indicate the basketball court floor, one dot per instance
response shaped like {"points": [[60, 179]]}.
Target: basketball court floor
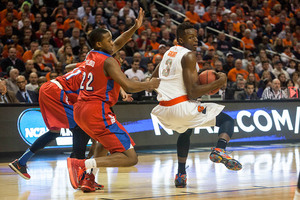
{"points": [[269, 172]]}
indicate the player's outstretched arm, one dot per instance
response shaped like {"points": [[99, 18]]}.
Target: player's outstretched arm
{"points": [[123, 38], [112, 69], [190, 78]]}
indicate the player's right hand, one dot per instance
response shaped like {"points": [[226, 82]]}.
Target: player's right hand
{"points": [[153, 83], [222, 77]]}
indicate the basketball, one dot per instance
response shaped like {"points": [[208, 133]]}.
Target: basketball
{"points": [[207, 77]]}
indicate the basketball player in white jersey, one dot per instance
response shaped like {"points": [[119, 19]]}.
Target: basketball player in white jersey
{"points": [[178, 110]]}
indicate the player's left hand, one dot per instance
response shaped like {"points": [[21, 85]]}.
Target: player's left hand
{"points": [[139, 20], [127, 97]]}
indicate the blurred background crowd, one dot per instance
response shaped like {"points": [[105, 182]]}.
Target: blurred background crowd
{"points": [[255, 42]]}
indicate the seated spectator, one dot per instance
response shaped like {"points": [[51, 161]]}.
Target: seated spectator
{"points": [[32, 85], [7, 96], [192, 16], [29, 67], [248, 93], [29, 53], [274, 92], [10, 43], [291, 67], [39, 64], [278, 69], [296, 79], [12, 61], [59, 38], [49, 58], [134, 71], [286, 55], [237, 70], [150, 69], [229, 62], [146, 94], [148, 52], [264, 66], [143, 41], [283, 81], [67, 57], [232, 92], [153, 42], [41, 81], [24, 95], [249, 44], [161, 51], [130, 48], [223, 45], [295, 91]]}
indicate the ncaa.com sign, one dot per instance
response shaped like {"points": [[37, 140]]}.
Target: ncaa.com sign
{"points": [[250, 121], [31, 126]]}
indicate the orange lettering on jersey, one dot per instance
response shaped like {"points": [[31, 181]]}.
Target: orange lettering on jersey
{"points": [[200, 108], [172, 54]]}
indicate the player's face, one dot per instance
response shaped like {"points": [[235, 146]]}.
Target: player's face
{"points": [[107, 43], [190, 39]]}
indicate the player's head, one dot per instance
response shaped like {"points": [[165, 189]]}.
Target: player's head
{"points": [[187, 36], [101, 39]]}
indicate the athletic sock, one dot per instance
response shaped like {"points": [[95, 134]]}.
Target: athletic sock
{"points": [[25, 157], [222, 143], [181, 168], [95, 171], [90, 163]]}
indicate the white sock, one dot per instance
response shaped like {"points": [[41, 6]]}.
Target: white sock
{"points": [[297, 195], [90, 163], [95, 171]]}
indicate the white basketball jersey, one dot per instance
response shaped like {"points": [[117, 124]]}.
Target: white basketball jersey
{"points": [[170, 73]]}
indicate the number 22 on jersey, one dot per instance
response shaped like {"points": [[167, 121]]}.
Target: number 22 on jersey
{"points": [[87, 86]]}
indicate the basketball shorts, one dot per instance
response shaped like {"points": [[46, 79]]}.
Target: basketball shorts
{"points": [[99, 122], [187, 114], [55, 108]]}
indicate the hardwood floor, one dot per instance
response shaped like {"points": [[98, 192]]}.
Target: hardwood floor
{"points": [[269, 172]]}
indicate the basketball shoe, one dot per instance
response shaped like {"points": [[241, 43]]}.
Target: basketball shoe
{"points": [[219, 155], [96, 185], [180, 180], [76, 170], [20, 169], [88, 183]]}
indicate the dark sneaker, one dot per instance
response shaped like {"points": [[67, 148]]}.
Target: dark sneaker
{"points": [[76, 170], [180, 180], [88, 183], [20, 169], [219, 155]]}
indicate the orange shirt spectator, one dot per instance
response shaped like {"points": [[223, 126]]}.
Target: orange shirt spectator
{"points": [[272, 3], [234, 8], [249, 44], [5, 23], [155, 29], [287, 42], [154, 45], [206, 17], [3, 14], [31, 16], [67, 24], [27, 56], [266, 11], [233, 72], [193, 17], [18, 47]]}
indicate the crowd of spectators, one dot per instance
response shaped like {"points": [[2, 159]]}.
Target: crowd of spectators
{"points": [[39, 38]]}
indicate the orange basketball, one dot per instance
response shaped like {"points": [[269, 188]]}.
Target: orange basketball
{"points": [[207, 77]]}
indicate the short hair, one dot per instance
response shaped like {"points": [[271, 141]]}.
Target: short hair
{"points": [[249, 83], [96, 36], [181, 29]]}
